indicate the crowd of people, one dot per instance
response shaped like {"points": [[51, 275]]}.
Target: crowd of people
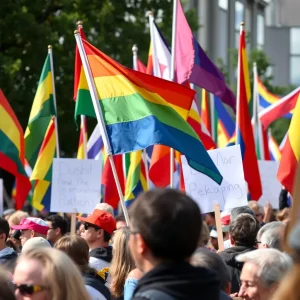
{"points": [[169, 251]]}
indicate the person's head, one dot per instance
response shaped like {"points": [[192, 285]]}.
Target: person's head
{"points": [[15, 219], [106, 207], [35, 243], [257, 209], [235, 212], [210, 219], [262, 271], [121, 222], [8, 212], [271, 235], [208, 259], [243, 230], [6, 288], [4, 232], [76, 248], [58, 227], [122, 263], [214, 238], [165, 227], [99, 226], [32, 227], [204, 235], [48, 274]]}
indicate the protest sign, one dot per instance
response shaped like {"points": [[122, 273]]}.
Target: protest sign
{"points": [[75, 185], [231, 193], [271, 186]]}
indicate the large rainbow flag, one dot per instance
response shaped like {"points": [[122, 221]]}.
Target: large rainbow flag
{"points": [[12, 152], [141, 110]]}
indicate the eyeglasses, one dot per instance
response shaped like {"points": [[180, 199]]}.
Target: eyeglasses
{"points": [[27, 289], [87, 225]]}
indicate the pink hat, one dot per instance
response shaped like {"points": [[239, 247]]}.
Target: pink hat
{"points": [[36, 224]]}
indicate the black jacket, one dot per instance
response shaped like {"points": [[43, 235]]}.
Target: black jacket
{"points": [[178, 281], [104, 253], [95, 281], [234, 267]]}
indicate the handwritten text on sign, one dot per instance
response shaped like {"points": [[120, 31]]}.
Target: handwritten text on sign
{"points": [[231, 193], [75, 185]]}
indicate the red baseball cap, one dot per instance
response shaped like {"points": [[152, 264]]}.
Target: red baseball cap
{"points": [[36, 224], [102, 219]]}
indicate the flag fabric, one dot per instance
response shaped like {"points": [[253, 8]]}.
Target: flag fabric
{"points": [[141, 67], [141, 110], [95, 145], [226, 125], [83, 133], [205, 111], [41, 176], [193, 65], [282, 108], [281, 146], [291, 153], [12, 152], [41, 113], [275, 153], [244, 133]]}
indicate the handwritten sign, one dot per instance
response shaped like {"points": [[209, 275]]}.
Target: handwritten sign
{"points": [[231, 193], [1, 196], [75, 185], [270, 185]]}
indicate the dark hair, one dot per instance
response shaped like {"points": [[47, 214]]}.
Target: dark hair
{"points": [[208, 259], [120, 218], [58, 222], [169, 222], [4, 228], [240, 210], [106, 236], [243, 230]]}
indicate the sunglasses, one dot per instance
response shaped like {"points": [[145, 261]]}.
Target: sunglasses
{"points": [[27, 289], [87, 225]]}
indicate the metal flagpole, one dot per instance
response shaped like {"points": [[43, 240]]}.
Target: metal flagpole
{"points": [[99, 116]]}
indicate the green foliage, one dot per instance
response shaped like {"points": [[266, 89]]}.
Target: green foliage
{"points": [[28, 27]]}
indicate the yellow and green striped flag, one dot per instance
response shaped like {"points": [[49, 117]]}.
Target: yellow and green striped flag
{"points": [[41, 113]]}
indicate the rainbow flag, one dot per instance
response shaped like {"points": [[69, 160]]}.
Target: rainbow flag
{"points": [[41, 113], [225, 123], [206, 111], [275, 153], [141, 110], [82, 153], [244, 133], [291, 152], [41, 176], [12, 154], [281, 108], [265, 98]]}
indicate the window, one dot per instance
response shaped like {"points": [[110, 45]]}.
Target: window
{"points": [[223, 4], [260, 31], [239, 17], [295, 56]]}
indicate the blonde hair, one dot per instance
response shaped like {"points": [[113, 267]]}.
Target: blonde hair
{"points": [[122, 263], [106, 207], [257, 209], [62, 276], [16, 217]]}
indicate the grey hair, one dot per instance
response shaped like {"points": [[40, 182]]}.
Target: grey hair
{"points": [[208, 259], [240, 210], [271, 235], [272, 264]]}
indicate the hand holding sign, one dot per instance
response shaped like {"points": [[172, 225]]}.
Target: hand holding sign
{"points": [[231, 193]]}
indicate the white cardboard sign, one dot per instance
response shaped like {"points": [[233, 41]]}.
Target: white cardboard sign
{"points": [[231, 193], [271, 186], [75, 185]]}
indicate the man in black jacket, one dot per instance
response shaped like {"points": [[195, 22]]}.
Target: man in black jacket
{"points": [[8, 256], [242, 234], [165, 230]]}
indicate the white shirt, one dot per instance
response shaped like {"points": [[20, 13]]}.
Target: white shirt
{"points": [[94, 294]]}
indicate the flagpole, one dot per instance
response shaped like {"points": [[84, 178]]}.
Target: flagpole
{"points": [[172, 77], [100, 119], [144, 154], [83, 117], [154, 61], [212, 117], [54, 100], [238, 92]]}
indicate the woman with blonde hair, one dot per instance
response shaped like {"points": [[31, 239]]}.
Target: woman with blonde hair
{"points": [[48, 274], [122, 263], [78, 250]]}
